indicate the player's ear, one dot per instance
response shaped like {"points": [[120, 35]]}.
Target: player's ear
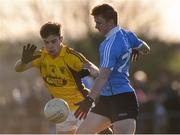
{"points": [[110, 21]]}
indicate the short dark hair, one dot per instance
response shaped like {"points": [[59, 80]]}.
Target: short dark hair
{"points": [[50, 28], [106, 11]]}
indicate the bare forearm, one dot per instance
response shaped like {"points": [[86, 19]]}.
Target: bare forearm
{"points": [[20, 67], [100, 82], [97, 86]]}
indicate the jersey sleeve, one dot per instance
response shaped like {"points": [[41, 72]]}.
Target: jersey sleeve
{"points": [[134, 40], [75, 60]]}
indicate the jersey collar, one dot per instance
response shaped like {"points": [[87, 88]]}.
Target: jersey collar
{"points": [[63, 50], [112, 32]]}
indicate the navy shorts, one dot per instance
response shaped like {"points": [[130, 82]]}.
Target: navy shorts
{"points": [[117, 107]]}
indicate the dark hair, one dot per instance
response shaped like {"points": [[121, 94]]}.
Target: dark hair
{"points": [[106, 11], [50, 28]]}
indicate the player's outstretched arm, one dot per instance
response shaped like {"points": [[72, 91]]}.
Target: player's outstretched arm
{"points": [[27, 57], [20, 66]]}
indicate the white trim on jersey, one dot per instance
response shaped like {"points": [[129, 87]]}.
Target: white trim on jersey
{"points": [[107, 50]]}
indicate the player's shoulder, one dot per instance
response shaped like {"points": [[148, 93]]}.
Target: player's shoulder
{"points": [[126, 31], [73, 54], [71, 51], [129, 33]]}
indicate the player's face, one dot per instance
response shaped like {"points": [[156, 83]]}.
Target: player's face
{"points": [[52, 44], [102, 25]]}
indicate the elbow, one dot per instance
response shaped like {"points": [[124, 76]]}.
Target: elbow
{"points": [[95, 73], [17, 69], [145, 49]]}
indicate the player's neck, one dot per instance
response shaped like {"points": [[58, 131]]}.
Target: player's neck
{"points": [[56, 53]]}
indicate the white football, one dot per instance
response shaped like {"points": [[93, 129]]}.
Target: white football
{"points": [[56, 110]]}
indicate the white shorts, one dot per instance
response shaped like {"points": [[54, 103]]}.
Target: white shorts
{"points": [[70, 124]]}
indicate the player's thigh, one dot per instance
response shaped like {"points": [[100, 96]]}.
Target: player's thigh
{"points": [[126, 126], [94, 123]]}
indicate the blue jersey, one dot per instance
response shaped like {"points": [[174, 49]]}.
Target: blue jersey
{"points": [[115, 52]]}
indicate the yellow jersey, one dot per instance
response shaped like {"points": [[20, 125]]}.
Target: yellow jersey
{"points": [[61, 76]]}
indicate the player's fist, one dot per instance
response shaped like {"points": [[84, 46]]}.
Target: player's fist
{"points": [[84, 107], [28, 53]]}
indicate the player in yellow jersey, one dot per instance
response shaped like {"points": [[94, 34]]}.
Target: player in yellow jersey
{"points": [[61, 68]]}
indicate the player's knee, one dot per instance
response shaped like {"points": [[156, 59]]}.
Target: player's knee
{"points": [[127, 126], [66, 132], [87, 130]]}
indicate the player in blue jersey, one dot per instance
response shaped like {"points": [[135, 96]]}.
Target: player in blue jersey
{"points": [[117, 104]]}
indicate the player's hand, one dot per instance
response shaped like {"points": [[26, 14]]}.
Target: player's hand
{"points": [[28, 53], [135, 55], [84, 107]]}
